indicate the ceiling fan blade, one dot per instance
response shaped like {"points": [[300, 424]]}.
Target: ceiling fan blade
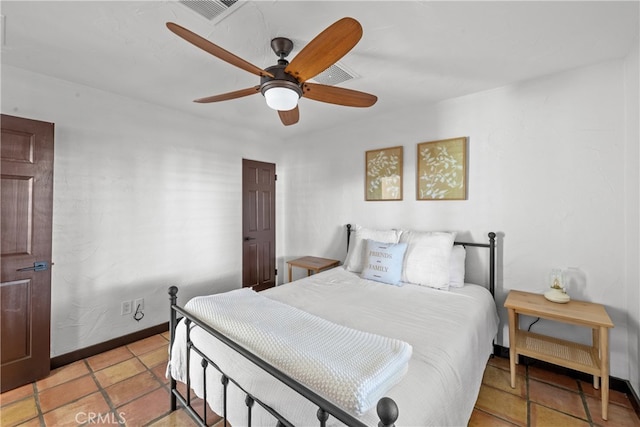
{"points": [[290, 117], [216, 50], [326, 49], [338, 95], [230, 95]]}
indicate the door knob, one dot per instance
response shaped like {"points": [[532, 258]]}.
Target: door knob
{"points": [[246, 239]]}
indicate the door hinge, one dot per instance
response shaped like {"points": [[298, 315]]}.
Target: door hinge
{"points": [[276, 271], [275, 177]]}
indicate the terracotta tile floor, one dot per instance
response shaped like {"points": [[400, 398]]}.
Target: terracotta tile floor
{"points": [[126, 386], [545, 398]]}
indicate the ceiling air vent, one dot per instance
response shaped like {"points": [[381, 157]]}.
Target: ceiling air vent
{"points": [[210, 9], [334, 75]]}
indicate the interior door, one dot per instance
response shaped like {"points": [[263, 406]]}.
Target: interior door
{"points": [[258, 224], [26, 187]]}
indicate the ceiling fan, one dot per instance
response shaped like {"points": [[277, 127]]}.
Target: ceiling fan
{"points": [[285, 83]]}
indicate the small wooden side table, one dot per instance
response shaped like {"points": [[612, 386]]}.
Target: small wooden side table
{"points": [[592, 359], [312, 264]]}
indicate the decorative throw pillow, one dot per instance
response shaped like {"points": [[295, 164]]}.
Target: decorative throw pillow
{"points": [[356, 256], [383, 261], [456, 266], [427, 259]]}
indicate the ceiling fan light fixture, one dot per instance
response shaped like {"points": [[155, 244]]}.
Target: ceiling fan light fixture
{"points": [[281, 98], [281, 95]]}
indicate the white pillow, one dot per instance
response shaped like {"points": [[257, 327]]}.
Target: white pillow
{"points": [[356, 256], [426, 261], [456, 266], [383, 261]]}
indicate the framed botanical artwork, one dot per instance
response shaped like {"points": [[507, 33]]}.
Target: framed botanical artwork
{"points": [[442, 170], [383, 174]]}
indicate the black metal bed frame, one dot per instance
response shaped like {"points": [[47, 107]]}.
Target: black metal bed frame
{"points": [[386, 408]]}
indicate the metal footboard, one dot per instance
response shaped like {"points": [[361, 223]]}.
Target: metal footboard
{"points": [[387, 409]]}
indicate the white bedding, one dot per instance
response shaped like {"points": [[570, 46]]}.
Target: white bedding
{"points": [[350, 368], [451, 334]]}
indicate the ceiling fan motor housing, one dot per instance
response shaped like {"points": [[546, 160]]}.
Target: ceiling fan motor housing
{"points": [[282, 46], [280, 79]]}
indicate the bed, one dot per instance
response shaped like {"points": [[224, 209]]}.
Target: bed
{"points": [[419, 345]]}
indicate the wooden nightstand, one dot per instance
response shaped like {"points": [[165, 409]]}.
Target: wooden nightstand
{"points": [[312, 264], [592, 359]]}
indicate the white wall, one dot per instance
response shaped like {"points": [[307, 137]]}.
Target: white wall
{"points": [[545, 171], [144, 198], [632, 210]]}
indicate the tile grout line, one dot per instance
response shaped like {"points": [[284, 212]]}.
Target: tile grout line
{"points": [[526, 377], [150, 371], [580, 393], [162, 386], [526, 393], [585, 405], [492, 415], [37, 392], [103, 392], [160, 381], [36, 398], [579, 390], [112, 407]]}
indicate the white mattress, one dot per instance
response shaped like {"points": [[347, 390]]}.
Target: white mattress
{"points": [[451, 333]]}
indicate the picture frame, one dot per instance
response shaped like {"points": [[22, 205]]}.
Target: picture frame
{"points": [[383, 174], [441, 172]]}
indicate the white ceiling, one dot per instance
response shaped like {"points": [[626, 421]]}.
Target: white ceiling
{"points": [[411, 53]]}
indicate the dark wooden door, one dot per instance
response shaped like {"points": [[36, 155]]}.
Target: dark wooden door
{"points": [[26, 187], [258, 224]]}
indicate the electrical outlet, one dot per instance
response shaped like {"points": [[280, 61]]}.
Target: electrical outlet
{"points": [[138, 304], [125, 308]]}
